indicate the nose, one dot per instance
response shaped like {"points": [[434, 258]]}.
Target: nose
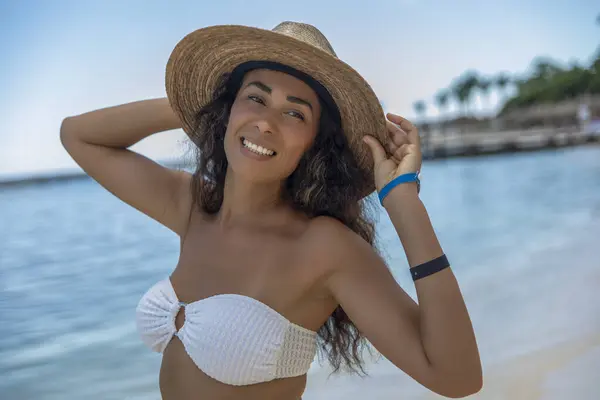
{"points": [[266, 123]]}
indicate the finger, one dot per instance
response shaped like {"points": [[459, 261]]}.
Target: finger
{"points": [[406, 150], [393, 150], [411, 130], [391, 147], [392, 127], [393, 144], [400, 121], [399, 154], [397, 135], [397, 138], [377, 149]]}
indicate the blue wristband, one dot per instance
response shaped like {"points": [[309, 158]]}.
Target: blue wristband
{"points": [[411, 177]]}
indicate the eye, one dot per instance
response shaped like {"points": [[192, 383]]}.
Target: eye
{"points": [[296, 114], [256, 99]]}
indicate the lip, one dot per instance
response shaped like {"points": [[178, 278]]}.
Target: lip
{"points": [[255, 156], [258, 143]]}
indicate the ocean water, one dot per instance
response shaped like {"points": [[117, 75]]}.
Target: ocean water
{"points": [[522, 232]]}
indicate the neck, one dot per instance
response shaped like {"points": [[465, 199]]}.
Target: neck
{"points": [[248, 203]]}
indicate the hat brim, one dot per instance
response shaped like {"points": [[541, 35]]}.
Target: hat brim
{"points": [[201, 58]]}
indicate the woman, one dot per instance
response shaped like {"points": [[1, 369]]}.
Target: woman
{"points": [[277, 253]]}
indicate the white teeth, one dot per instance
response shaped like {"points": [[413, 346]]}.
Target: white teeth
{"points": [[257, 149]]}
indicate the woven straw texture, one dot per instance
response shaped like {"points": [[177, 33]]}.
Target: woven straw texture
{"points": [[201, 57]]}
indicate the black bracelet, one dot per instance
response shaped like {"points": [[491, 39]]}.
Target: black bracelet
{"points": [[429, 267]]}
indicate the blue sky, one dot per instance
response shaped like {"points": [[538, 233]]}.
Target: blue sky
{"points": [[66, 57]]}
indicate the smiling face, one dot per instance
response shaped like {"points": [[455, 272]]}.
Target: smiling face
{"points": [[273, 121]]}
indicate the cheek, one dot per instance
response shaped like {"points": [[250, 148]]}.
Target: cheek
{"points": [[297, 144], [303, 144], [305, 139], [236, 118]]}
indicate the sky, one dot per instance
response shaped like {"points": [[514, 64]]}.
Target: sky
{"points": [[65, 57]]}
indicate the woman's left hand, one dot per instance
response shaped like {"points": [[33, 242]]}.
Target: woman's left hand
{"points": [[403, 153]]}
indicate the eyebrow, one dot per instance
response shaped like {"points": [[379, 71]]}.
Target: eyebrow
{"points": [[291, 99]]}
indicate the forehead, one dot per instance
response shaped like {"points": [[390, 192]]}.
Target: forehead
{"points": [[282, 81]]}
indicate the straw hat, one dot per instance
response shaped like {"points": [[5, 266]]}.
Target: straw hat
{"points": [[203, 56]]}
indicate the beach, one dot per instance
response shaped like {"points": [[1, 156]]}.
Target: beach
{"points": [[521, 231], [567, 370], [544, 342]]}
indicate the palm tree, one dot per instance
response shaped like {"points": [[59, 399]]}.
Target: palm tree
{"points": [[420, 109], [484, 85], [464, 88], [459, 95], [441, 100], [502, 81], [544, 68], [471, 83]]}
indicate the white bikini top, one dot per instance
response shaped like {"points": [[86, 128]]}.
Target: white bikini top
{"points": [[234, 339]]}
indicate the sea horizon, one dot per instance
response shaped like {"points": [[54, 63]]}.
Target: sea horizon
{"points": [[62, 173]]}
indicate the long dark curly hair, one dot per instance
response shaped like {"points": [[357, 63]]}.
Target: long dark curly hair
{"points": [[323, 184]]}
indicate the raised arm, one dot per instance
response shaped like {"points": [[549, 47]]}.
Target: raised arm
{"points": [[432, 341], [98, 141]]}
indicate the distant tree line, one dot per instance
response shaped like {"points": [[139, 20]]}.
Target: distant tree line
{"points": [[547, 82]]}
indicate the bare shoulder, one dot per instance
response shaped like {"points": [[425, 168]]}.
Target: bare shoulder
{"points": [[334, 245], [333, 230]]}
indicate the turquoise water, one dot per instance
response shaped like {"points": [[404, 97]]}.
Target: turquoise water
{"points": [[74, 261]]}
